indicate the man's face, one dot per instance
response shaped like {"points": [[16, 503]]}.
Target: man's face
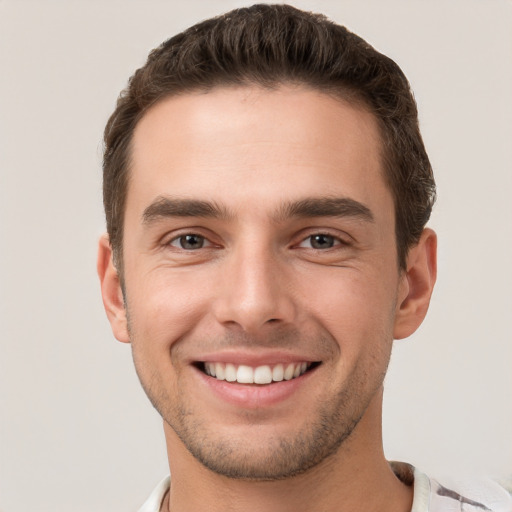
{"points": [[259, 244]]}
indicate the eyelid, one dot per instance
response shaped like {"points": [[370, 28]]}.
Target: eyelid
{"points": [[342, 239], [174, 242], [337, 242], [172, 239], [169, 239]]}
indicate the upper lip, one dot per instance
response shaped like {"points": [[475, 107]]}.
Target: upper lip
{"points": [[254, 359]]}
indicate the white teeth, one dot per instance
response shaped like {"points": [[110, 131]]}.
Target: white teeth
{"points": [[278, 373], [219, 371], [288, 373], [245, 375], [264, 374], [230, 372]]}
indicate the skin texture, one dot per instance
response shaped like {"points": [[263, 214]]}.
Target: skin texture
{"points": [[266, 279]]}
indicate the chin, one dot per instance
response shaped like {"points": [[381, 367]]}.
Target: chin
{"points": [[261, 452]]}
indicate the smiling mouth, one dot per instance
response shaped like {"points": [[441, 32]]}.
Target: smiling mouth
{"points": [[264, 374]]}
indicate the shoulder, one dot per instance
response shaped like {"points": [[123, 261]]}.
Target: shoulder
{"points": [[153, 503], [464, 495], [472, 495]]}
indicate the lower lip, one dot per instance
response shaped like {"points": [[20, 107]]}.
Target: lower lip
{"points": [[254, 396]]}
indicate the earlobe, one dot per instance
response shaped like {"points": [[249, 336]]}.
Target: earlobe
{"points": [[417, 285], [111, 290]]}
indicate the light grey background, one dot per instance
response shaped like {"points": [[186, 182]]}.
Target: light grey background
{"points": [[76, 432]]}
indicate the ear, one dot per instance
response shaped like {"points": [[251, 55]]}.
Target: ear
{"points": [[111, 292], [417, 283]]}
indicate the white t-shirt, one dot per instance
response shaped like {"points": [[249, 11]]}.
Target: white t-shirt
{"points": [[429, 495]]}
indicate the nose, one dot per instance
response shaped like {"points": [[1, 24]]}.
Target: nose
{"points": [[254, 292]]}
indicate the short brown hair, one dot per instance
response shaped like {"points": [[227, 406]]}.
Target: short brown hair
{"points": [[269, 45]]}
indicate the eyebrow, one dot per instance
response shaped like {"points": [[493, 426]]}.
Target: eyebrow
{"points": [[165, 207], [325, 207]]}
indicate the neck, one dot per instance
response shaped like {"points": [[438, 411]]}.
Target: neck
{"points": [[356, 477]]}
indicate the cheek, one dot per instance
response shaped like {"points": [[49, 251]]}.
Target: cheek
{"points": [[161, 311], [357, 308], [163, 307]]}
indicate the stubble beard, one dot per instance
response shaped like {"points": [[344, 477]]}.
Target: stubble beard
{"points": [[277, 457]]}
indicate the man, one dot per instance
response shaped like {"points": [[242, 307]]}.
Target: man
{"points": [[266, 190]]}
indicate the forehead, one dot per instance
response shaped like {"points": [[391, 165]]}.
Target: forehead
{"points": [[248, 144]]}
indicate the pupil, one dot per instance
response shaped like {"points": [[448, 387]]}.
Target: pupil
{"points": [[191, 241], [322, 241]]}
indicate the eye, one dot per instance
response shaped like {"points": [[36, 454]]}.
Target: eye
{"points": [[320, 241], [189, 242]]}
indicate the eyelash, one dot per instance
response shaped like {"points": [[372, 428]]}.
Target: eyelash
{"points": [[336, 241], [178, 241]]}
